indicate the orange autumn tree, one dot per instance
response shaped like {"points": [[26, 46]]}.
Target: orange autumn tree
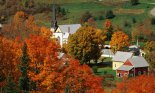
{"points": [[108, 29], [9, 58], [119, 41], [140, 84], [72, 77], [53, 75], [22, 25]]}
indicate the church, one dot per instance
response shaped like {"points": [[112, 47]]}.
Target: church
{"points": [[62, 32]]}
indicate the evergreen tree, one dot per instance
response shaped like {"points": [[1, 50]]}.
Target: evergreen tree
{"points": [[134, 2], [24, 80], [110, 14], [10, 86]]}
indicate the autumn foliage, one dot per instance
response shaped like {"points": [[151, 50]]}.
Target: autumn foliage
{"points": [[22, 25], [9, 58], [84, 44], [119, 40], [45, 72], [140, 84]]}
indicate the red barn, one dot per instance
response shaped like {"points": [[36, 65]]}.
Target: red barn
{"points": [[134, 66]]}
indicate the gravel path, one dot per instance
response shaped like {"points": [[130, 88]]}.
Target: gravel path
{"points": [[152, 12]]}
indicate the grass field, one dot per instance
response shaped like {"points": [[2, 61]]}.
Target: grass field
{"points": [[77, 7]]}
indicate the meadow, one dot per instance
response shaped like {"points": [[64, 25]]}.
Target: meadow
{"points": [[123, 10]]}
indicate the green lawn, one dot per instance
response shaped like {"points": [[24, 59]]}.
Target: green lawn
{"points": [[76, 8]]}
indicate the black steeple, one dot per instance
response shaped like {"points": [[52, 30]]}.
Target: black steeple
{"points": [[54, 24]]}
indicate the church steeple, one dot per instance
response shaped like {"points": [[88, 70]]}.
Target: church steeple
{"points": [[54, 24]]}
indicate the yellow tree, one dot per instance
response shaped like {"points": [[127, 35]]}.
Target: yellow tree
{"points": [[84, 44], [119, 41]]}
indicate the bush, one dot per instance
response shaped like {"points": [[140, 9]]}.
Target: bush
{"points": [[153, 21], [95, 69], [84, 18], [134, 20], [110, 14], [134, 2]]}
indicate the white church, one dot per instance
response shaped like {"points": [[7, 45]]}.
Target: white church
{"points": [[62, 32]]}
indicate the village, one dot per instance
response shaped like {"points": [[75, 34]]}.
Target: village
{"points": [[83, 46]]}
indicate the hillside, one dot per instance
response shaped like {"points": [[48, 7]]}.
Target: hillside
{"points": [[123, 10]]}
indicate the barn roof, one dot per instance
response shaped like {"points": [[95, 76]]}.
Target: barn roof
{"points": [[138, 61], [122, 56], [125, 68], [71, 28]]}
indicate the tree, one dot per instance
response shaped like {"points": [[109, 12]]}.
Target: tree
{"points": [[150, 57], [24, 66], [109, 14], [22, 26], [84, 18], [140, 84], [134, 20], [73, 77], [149, 48], [10, 86], [84, 44], [10, 52], [153, 21], [142, 31], [134, 2], [108, 28], [91, 22], [119, 41]]}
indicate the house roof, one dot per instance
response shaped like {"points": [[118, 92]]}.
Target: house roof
{"points": [[138, 61], [125, 68], [122, 56], [71, 28]]}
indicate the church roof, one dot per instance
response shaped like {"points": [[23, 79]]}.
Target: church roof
{"points": [[71, 28]]}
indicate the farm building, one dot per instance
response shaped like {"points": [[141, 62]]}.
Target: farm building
{"points": [[132, 67], [119, 59]]}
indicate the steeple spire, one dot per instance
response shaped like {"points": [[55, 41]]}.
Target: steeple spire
{"points": [[54, 24]]}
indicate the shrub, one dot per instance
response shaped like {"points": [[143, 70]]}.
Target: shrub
{"points": [[85, 17], [110, 14], [95, 69], [134, 2], [153, 21]]}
